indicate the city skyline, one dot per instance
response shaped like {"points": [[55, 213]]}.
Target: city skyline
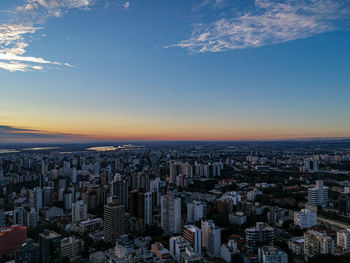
{"points": [[102, 70]]}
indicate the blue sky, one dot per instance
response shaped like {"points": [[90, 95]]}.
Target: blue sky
{"points": [[176, 69]]}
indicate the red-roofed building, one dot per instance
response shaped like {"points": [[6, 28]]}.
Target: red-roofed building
{"points": [[11, 238]]}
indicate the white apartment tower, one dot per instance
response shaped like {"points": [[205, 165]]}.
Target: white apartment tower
{"points": [[318, 195], [79, 211], [305, 218]]}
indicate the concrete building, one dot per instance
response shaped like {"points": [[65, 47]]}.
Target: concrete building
{"points": [[148, 209], [114, 225], [259, 235], [71, 247], [120, 191], [211, 237], [305, 218], [190, 256], [238, 218], [50, 247], [161, 252], [272, 254], [19, 216], [79, 211], [90, 225], [32, 218], [296, 245], [2, 218], [251, 195], [177, 245], [193, 235], [316, 243], [196, 210], [171, 213], [229, 252], [28, 252], [11, 238], [318, 195], [343, 239], [36, 198]]}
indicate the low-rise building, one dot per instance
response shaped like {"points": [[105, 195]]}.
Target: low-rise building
{"points": [[238, 218], [272, 254], [296, 245], [90, 225], [161, 251]]}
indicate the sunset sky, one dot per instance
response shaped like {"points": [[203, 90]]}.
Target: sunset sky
{"points": [[81, 70]]}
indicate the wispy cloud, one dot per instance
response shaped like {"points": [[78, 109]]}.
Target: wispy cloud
{"points": [[126, 5], [26, 20], [268, 22], [16, 134]]}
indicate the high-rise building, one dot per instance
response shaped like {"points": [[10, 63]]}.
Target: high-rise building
{"points": [[68, 199], [171, 213], [2, 218], [174, 171], [316, 243], [272, 254], [79, 211], [261, 234], [11, 238], [343, 239], [148, 208], [32, 218], [305, 218], [114, 225], [318, 195], [36, 198], [43, 175], [211, 237], [196, 210], [311, 165], [74, 175], [344, 201], [120, 192], [19, 216], [193, 235], [50, 247], [137, 206]]}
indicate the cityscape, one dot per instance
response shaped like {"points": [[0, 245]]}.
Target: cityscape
{"points": [[174, 131], [286, 201]]}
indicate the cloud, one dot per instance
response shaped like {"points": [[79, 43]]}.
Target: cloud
{"points": [[16, 134], [26, 20], [126, 5], [267, 22]]}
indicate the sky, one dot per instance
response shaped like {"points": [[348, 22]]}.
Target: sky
{"points": [[93, 70]]}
